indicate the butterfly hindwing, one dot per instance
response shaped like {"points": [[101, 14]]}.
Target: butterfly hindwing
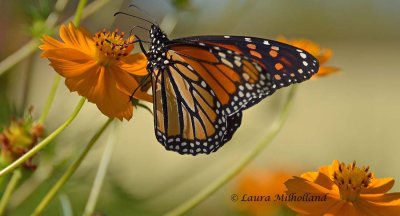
{"points": [[188, 117]]}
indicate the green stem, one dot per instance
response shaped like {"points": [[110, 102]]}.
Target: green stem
{"points": [[44, 142], [56, 82], [53, 17], [101, 173], [32, 45], [9, 190], [27, 80], [79, 11], [19, 55], [50, 99], [69, 172], [246, 159]]}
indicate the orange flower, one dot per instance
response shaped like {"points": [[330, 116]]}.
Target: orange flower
{"points": [[350, 190], [323, 55], [98, 67], [257, 192]]}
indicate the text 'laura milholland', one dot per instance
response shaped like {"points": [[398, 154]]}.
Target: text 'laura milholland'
{"points": [[292, 197]]}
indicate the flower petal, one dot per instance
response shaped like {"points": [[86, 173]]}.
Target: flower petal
{"points": [[325, 181], [70, 62], [134, 64], [310, 176], [324, 55], [100, 87], [323, 177], [330, 169], [78, 38], [50, 43], [344, 208], [301, 186], [380, 205], [383, 199], [323, 71], [377, 186], [128, 84]]}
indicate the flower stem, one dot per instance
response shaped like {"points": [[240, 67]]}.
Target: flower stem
{"points": [[79, 11], [50, 99], [32, 45], [27, 80], [44, 142], [101, 173], [19, 55], [246, 159], [69, 172], [9, 190], [56, 82]]}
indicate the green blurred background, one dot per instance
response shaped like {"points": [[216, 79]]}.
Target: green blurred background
{"points": [[353, 115]]}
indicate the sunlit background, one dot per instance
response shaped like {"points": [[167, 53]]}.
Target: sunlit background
{"points": [[352, 115]]}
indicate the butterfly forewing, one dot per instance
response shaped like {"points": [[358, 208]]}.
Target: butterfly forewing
{"points": [[283, 64], [235, 78]]}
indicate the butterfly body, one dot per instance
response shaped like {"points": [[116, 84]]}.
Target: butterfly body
{"points": [[202, 84], [156, 55]]}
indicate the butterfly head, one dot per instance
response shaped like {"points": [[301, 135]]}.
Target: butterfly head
{"points": [[157, 53]]}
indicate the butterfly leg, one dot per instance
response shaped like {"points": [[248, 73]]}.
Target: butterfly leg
{"points": [[141, 46], [142, 82]]}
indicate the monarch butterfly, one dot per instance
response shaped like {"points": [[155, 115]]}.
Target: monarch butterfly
{"points": [[202, 84]]}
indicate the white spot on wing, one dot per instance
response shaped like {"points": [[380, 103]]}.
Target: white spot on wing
{"points": [[223, 60], [275, 48], [238, 63]]}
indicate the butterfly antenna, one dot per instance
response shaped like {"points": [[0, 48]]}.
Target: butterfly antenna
{"points": [[130, 34], [131, 31], [143, 11], [123, 13]]}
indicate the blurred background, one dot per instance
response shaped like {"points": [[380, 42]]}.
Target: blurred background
{"points": [[352, 115]]}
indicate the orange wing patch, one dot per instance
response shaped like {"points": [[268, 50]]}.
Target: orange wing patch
{"points": [[273, 53], [221, 78], [251, 46], [278, 66], [255, 53]]}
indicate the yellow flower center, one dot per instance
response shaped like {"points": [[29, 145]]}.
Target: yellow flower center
{"points": [[111, 46], [351, 180]]}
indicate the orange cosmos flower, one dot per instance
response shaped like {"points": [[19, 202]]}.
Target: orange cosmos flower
{"points": [[257, 192], [98, 67], [322, 54], [349, 190]]}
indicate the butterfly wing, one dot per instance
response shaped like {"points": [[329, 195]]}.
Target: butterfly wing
{"points": [[188, 117], [207, 82], [278, 64]]}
